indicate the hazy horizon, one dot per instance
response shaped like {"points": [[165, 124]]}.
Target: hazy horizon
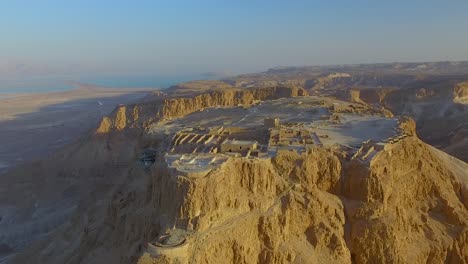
{"points": [[55, 41]]}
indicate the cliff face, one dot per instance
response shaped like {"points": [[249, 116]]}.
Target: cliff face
{"points": [[332, 80], [369, 96], [404, 203], [440, 111], [407, 204], [137, 116], [176, 107], [460, 93], [121, 118]]}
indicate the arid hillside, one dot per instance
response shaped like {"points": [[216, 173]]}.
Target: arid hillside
{"points": [[405, 204], [43, 194], [252, 171], [381, 200]]}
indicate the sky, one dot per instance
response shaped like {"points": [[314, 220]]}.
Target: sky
{"points": [[165, 39]]}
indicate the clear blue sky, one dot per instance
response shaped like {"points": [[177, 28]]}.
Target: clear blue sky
{"points": [[189, 37]]}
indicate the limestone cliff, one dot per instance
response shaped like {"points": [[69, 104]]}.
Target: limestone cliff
{"points": [[176, 107], [330, 80], [440, 111], [137, 116], [407, 204], [395, 201], [369, 95], [120, 119], [460, 93]]}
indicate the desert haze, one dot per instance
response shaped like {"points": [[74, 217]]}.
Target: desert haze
{"points": [[321, 164], [201, 131], [34, 125]]}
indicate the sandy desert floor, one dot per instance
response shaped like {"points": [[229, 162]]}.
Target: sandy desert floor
{"points": [[33, 125]]}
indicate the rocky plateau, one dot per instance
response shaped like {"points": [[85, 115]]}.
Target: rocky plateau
{"points": [[399, 195]]}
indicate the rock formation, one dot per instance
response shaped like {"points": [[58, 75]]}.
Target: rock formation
{"points": [[440, 112], [460, 93], [394, 201], [369, 96], [176, 107], [408, 204], [173, 107]]}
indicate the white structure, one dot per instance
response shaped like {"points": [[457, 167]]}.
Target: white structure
{"points": [[233, 145]]}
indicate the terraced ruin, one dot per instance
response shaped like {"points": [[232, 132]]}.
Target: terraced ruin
{"points": [[260, 130]]}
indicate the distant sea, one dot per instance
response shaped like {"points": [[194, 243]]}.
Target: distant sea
{"points": [[52, 84]]}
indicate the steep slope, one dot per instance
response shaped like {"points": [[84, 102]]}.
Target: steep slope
{"points": [[369, 96], [407, 204], [460, 93], [440, 112], [43, 195]]}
